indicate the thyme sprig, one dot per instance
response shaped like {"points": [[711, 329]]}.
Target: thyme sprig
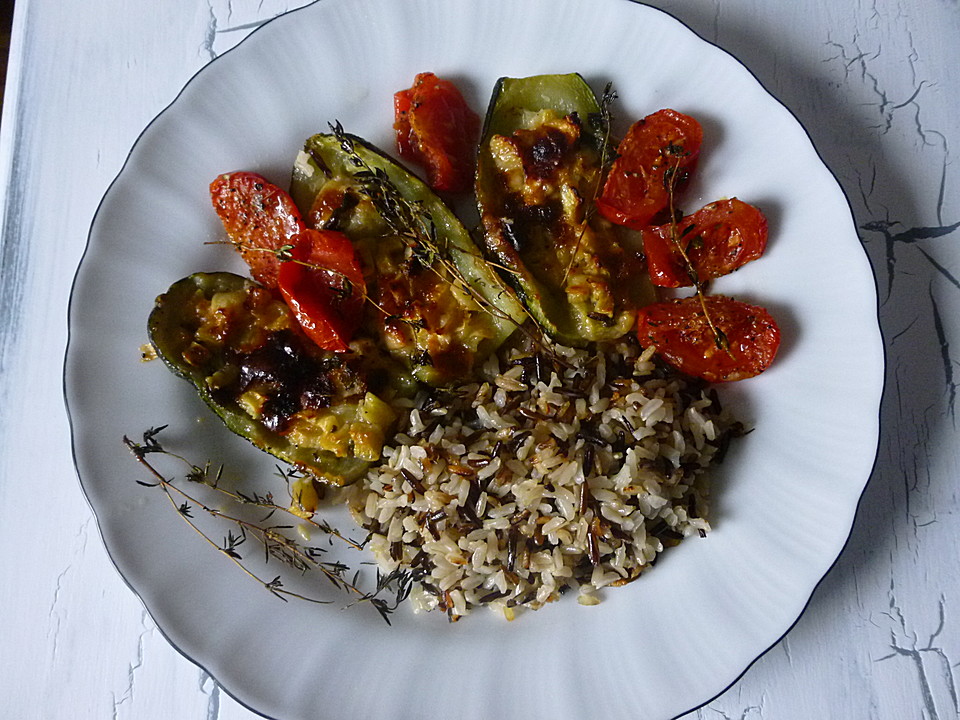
{"points": [[284, 253], [407, 218], [601, 125], [390, 589], [413, 223], [671, 178]]}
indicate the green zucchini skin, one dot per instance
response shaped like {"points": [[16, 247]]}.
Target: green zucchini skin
{"points": [[538, 175], [515, 100], [326, 169], [174, 331]]}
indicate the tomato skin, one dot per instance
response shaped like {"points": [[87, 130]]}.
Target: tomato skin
{"points": [[323, 285], [406, 142], [259, 217], [636, 189], [436, 129], [679, 331], [718, 238], [322, 282]]}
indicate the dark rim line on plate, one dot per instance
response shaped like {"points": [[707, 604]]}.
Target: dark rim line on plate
{"points": [[70, 312]]}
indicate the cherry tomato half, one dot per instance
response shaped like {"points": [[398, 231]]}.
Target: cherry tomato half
{"points": [[323, 285], [718, 238], [260, 219], [745, 345], [657, 153], [436, 129]]}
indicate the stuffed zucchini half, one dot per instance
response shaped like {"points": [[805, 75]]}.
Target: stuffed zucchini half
{"points": [[540, 169], [244, 352], [437, 305]]}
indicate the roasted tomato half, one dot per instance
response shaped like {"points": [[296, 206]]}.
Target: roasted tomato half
{"points": [[317, 271], [717, 239], [323, 285], [731, 341], [654, 159], [260, 219], [437, 130]]}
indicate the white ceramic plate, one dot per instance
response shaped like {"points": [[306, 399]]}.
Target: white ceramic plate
{"points": [[785, 501]]}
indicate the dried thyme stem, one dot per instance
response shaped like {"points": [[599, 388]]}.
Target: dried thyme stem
{"points": [[229, 545], [412, 223], [607, 156], [275, 543], [720, 338]]}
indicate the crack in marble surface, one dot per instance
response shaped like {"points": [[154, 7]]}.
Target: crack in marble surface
{"points": [[213, 695], [907, 236], [945, 358], [127, 695], [220, 23], [244, 26], [54, 630], [933, 682], [950, 277], [210, 35], [749, 712]]}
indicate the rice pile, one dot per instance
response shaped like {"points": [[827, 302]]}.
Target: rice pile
{"points": [[553, 471]]}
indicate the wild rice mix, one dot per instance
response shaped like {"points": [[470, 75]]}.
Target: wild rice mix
{"points": [[551, 472]]}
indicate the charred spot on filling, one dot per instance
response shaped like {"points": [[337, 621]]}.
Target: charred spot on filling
{"points": [[291, 379], [548, 213], [270, 363], [542, 158], [523, 220], [316, 392], [607, 320], [332, 215], [545, 149]]}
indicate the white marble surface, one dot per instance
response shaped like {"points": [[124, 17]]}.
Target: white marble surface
{"points": [[875, 84]]}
